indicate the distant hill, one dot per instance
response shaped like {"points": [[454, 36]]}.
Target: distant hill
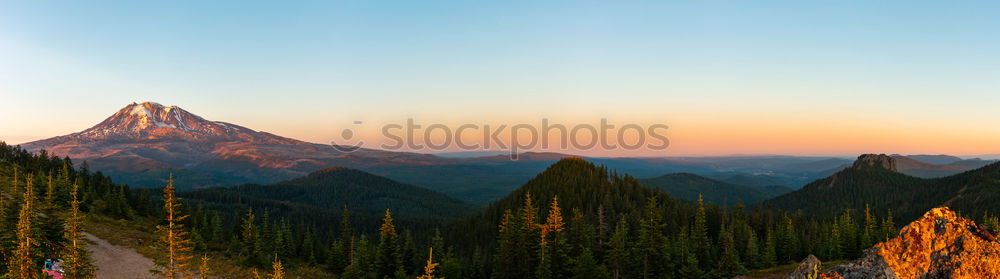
{"points": [[688, 186], [755, 180], [580, 185], [935, 159], [334, 188], [875, 180], [928, 166]]}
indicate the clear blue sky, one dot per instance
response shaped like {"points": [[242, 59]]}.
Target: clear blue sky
{"points": [[923, 76]]}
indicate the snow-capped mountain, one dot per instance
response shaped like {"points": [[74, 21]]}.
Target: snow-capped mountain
{"points": [[150, 121], [143, 142]]}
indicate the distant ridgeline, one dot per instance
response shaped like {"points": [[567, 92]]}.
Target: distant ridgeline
{"points": [[573, 219], [873, 181]]}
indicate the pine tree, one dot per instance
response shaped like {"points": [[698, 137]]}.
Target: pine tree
{"points": [[553, 260], [699, 234], [429, 268], [506, 248], [752, 252], [651, 241], [888, 227], [618, 257], [769, 257], [408, 253], [688, 260], [250, 250], [77, 263], [203, 271], [346, 243], [729, 264], [451, 266], [279, 271], [788, 248], [173, 236], [586, 267], [869, 236], [835, 246], [48, 222], [528, 240], [22, 264], [386, 259]]}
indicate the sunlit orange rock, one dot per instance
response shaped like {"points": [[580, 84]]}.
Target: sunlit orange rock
{"points": [[938, 245]]}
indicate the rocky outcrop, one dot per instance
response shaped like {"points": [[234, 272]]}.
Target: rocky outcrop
{"points": [[938, 245], [875, 160]]}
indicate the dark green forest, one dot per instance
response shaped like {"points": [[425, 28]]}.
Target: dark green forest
{"points": [[689, 186], [574, 220]]}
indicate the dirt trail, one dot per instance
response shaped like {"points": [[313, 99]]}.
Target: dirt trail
{"points": [[118, 262]]}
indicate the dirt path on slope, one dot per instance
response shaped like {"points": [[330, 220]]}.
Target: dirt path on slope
{"points": [[118, 262]]}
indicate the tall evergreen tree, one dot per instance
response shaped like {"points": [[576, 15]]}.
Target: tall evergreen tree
{"points": [[699, 234], [553, 259], [752, 252], [769, 257], [651, 241], [173, 236], [346, 244], [729, 262], [618, 256], [77, 263], [387, 257], [586, 267], [429, 268], [22, 264], [507, 248]]}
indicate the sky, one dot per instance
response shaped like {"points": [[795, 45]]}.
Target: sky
{"points": [[727, 77]]}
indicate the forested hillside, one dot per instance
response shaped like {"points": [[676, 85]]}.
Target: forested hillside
{"points": [[579, 220], [882, 188], [573, 220], [338, 187], [689, 186]]}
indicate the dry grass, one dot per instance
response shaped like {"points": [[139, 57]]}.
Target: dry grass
{"points": [[141, 236]]}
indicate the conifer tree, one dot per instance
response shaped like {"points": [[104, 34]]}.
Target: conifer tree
{"points": [[528, 240], [203, 271], [346, 244], [688, 260], [618, 257], [250, 249], [729, 264], [651, 241], [602, 231], [769, 257], [408, 253], [429, 268], [386, 259], [888, 227], [752, 252], [788, 248], [553, 260], [77, 263], [173, 235], [586, 267], [22, 264], [869, 236], [278, 270], [835, 246], [506, 248], [699, 234]]}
